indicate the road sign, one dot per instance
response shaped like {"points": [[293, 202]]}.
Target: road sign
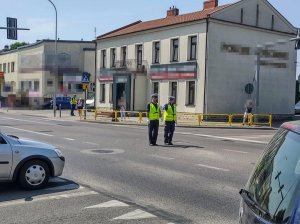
{"points": [[249, 88], [85, 86], [12, 26], [85, 77]]}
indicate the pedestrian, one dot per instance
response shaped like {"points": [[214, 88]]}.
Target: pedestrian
{"points": [[80, 106], [73, 105], [248, 111], [123, 113], [153, 114], [170, 118]]}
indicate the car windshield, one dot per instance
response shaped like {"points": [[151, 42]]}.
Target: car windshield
{"points": [[274, 185]]}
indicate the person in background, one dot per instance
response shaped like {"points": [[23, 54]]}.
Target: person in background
{"points": [[80, 106], [170, 120], [248, 111], [123, 113], [73, 105], [153, 114]]}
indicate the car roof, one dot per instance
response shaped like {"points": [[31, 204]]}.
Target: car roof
{"points": [[292, 126]]}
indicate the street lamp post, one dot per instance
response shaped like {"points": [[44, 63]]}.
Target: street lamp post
{"points": [[55, 61]]}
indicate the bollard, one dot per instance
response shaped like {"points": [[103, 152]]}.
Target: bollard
{"points": [[140, 117], [95, 114], [199, 119], [251, 120], [116, 116], [230, 119], [60, 110], [271, 120], [80, 114]]}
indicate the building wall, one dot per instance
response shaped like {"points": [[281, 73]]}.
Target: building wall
{"points": [[147, 39], [229, 72]]}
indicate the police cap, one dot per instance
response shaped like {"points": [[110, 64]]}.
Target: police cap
{"points": [[171, 98], [155, 95]]}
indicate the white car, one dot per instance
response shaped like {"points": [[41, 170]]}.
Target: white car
{"points": [[90, 103], [28, 162], [297, 108]]}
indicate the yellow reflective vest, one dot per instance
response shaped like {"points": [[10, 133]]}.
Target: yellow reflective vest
{"points": [[154, 112], [73, 101], [170, 114]]}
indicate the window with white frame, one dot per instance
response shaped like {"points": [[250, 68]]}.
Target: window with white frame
{"points": [[193, 48], [139, 54], [102, 93], [4, 67], [173, 90], [0, 67], [13, 67], [110, 92], [113, 57], [103, 59], [155, 87], [191, 90], [156, 52], [174, 50], [124, 56]]}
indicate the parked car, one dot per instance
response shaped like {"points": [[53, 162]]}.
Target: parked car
{"points": [[28, 162], [297, 108], [272, 194], [90, 103], [64, 101]]}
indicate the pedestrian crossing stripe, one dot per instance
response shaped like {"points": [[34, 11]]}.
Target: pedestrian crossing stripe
{"points": [[109, 204], [136, 214]]}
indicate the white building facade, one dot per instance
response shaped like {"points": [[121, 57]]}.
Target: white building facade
{"points": [[205, 59], [30, 71]]}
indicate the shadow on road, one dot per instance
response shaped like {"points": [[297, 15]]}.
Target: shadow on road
{"points": [[11, 191], [183, 146]]}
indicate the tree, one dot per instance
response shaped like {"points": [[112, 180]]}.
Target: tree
{"points": [[17, 44]]}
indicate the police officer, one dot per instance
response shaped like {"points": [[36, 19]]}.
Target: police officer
{"points": [[73, 105], [170, 120], [153, 113]]}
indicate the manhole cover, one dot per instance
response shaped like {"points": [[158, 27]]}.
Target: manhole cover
{"points": [[102, 151]]}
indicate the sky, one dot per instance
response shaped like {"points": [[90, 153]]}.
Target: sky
{"points": [[77, 19]]}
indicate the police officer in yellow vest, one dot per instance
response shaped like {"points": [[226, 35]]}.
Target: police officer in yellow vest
{"points": [[73, 105], [154, 114], [170, 120]]}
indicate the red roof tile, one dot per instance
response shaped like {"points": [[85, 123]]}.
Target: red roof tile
{"points": [[168, 21]]}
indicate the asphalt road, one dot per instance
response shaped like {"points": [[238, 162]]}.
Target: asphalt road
{"points": [[112, 169]]}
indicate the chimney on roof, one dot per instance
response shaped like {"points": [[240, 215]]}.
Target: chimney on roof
{"points": [[173, 11], [208, 4]]}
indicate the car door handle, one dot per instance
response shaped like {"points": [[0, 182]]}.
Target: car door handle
{"points": [[4, 162]]}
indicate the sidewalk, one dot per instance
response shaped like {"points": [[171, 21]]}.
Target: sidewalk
{"points": [[65, 116]]}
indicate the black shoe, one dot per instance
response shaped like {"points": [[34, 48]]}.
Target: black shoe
{"points": [[150, 144], [170, 143], [155, 144]]}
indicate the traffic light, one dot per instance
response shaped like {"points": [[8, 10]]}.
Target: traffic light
{"points": [[12, 26]]}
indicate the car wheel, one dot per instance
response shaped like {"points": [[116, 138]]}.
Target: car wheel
{"points": [[34, 174]]}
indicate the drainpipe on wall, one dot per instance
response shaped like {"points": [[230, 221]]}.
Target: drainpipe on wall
{"points": [[206, 78]]}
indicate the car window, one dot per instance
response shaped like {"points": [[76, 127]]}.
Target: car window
{"points": [[276, 179], [2, 141]]}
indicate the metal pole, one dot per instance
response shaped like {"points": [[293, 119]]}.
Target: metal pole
{"points": [[257, 80], [55, 61]]}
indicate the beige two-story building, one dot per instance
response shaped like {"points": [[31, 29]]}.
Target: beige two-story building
{"points": [[204, 58], [30, 74]]}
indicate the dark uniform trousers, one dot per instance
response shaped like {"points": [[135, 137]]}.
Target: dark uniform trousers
{"points": [[169, 131], [153, 131], [73, 108]]}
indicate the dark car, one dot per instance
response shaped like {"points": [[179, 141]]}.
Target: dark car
{"points": [[64, 101], [272, 194]]}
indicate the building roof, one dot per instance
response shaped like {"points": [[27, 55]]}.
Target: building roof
{"points": [[158, 23]]}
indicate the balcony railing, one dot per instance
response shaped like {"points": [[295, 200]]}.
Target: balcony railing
{"points": [[131, 65]]}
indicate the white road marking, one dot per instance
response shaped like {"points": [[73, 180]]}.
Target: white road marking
{"points": [[34, 132], [109, 204], [213, 167], [70, 139], [223, 138], [229, 150], [91, 143], [162, 157], [46, 198], [28, 120], [137, 214]]}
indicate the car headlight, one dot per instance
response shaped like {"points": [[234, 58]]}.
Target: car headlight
{"points": [[59, 153]]}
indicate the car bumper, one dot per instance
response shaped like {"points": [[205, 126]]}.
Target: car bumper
{"points": [[58, 165]]}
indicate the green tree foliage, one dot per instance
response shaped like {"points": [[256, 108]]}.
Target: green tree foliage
{"points": [[17, 44]]}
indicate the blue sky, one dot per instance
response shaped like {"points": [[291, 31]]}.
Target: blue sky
{"points": [[77, 19]]}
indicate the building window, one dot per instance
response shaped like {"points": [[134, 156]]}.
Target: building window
{"points": [[257, 15], [139, 55], [242, 16], [174, 50], [193, 48], [272, 22], [156, 52], [8, 67], [110, 92], [102, 93], [113, 57], [124, 56], [173, 91], [36, 86], [155, 87], [13, 67], [191, 93], [0, 67], [4, 67], [103, 61], [49, 83]]}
